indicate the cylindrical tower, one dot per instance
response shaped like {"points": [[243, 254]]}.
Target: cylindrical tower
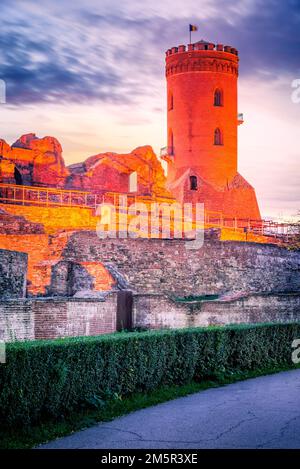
{"points": [[202, 112]]}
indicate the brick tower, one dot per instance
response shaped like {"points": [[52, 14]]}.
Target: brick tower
{"points": [[202, 129]]}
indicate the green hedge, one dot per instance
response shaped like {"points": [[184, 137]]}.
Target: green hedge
{"points": [[49, 379]]}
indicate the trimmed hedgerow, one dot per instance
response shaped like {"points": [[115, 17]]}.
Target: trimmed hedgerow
{"points": [[51, 378]]}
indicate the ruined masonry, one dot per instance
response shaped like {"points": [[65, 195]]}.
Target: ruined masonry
{"points": [[58, 279]]}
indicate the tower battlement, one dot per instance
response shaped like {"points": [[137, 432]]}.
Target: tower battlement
{"points": [[202, 56], [202, 46]]}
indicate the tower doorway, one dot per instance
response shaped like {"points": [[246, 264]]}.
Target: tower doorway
{"points": [[193, 183]]}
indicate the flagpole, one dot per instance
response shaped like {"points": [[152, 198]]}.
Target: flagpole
{"points": [[190, 35]]}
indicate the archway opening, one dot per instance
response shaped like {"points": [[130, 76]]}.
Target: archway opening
{"points": [[18, 177], [133, 182]]}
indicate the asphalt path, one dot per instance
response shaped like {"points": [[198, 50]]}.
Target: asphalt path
{"points": [[262, 412]]}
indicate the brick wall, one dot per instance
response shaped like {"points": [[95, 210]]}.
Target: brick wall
{"points": [[158, 311], [13, 272], [16, 320], [51, 318], [166, 266]]}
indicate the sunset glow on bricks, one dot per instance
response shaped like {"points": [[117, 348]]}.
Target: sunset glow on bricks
{"points": [[203, 119]]}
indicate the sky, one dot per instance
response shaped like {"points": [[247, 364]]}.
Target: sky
{"points": [[91, 74]]}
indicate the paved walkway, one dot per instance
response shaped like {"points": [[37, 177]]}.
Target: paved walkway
{"points": [[258, 413]]}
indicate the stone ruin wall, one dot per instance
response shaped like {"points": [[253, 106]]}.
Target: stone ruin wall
{"points": [[258, 283], [13, 274], [168, 267]]}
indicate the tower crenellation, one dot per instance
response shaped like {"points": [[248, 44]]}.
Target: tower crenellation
{"points": [[202, 45], [202, 56]]}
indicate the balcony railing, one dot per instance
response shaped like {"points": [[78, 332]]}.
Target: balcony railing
{"points": [[167, 154], [240, 118]]}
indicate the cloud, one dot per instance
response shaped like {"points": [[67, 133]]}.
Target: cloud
{"points": [[52, 82], [112, 52], [47, 71]]}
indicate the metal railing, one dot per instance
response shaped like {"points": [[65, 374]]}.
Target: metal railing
{"points": [[34, 195], [52, 197], [30, 195]]}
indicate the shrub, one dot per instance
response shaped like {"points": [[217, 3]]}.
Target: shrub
{"points": [[51, 378]]}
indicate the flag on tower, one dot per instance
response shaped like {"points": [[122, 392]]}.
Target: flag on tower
{"points": [[192, 27]]}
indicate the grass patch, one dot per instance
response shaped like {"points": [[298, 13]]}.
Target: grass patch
{"points": [[113, 407], [190, 298]]}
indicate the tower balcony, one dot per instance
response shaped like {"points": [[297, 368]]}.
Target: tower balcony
{"points": [[240, 118], [167, 154]]}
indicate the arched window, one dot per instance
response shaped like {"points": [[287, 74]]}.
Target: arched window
{"points": [[170, 101], [193, 183], [171, 143], [218, 137], [218, 98]]}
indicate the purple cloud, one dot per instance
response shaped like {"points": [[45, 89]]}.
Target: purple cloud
{"points": [[111, 55]]}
